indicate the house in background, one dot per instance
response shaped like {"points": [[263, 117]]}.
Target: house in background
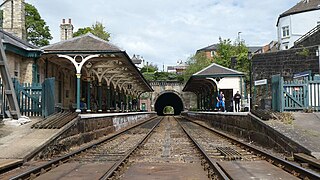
{"points": [[138, 61], [211, 50], [180, 68], [297, 21]]}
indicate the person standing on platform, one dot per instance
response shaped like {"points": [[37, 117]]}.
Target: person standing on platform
{"points": [[237, 98], [220, 103]]}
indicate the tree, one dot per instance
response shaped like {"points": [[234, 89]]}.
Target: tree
{"points": [[149, 68], [226, 50], [96, 29], [196, 63], [38, 32]]}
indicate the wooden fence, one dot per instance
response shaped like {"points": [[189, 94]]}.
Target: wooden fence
{"points": [[29, 98]]}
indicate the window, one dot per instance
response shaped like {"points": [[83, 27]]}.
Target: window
{"points": [[16, 69], [285, 31], [65, 34], [212, 53]]}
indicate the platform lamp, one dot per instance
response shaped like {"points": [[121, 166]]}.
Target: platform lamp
{"points": [[250, 78]]}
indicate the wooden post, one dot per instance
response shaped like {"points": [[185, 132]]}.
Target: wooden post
{"points": [[8, 85]]}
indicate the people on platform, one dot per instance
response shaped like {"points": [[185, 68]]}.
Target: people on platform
{"points": [[237, 98], [221, 102], [83, 105]]}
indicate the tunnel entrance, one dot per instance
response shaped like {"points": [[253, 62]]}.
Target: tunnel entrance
{"points": [[168, 99]]}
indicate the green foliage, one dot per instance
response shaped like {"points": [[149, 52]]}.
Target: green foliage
{"points": [[224, 53], [149, 76], [168, 110], [226, 50], [38, 32], [149, 68], [304, 52], [195, 64], [96, 29]]}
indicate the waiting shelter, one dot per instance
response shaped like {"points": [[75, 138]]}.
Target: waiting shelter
{"points": [[208, 83], [92, 75]]}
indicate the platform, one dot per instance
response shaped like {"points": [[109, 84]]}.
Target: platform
{"points": [[304, 130]]}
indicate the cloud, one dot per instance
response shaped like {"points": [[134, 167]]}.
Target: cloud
{"points": [[164, 31]]}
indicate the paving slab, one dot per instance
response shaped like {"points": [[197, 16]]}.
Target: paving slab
{"points": [[304, 129], [16, 142], [243, 170]]}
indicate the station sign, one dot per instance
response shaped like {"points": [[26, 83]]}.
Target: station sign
{"points": [[260, 82]]}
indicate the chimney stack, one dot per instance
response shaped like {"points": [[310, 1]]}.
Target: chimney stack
{"points": [[66, 30], [14, 18]]}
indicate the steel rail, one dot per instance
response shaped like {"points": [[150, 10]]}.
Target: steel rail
{"points": [[64, 159], [213, 164], [118, 164], [287, 166]]}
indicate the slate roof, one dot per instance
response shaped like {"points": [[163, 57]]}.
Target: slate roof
{"points": [[216, 69], [209, 48], [302, 6], [87, 42], [8, 38]]}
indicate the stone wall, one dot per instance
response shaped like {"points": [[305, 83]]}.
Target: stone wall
{"points": [[249, 127], [286, 63], [23, 67], [14, 18]]}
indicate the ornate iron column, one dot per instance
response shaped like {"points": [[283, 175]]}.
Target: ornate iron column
{"points": [[78, 66]]}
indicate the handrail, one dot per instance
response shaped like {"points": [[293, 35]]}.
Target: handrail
{"points": [[308, 34]]}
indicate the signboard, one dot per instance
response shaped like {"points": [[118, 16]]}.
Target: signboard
{"points": [[301, 74], [260, 82]]}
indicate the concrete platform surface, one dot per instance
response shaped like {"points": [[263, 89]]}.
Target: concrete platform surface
{"points": [[168, 171], [243, 170], [304, 129], [17, 142]]}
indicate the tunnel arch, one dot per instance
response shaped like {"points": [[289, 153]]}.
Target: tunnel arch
{"points": [[169, 98]]}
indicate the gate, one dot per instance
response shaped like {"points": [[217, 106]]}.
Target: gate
{"points": [[276, 83], [295, 95], [48, 100], [28, 97]]}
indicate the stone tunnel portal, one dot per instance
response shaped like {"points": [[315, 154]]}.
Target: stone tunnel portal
{"points": [[168, 99]]}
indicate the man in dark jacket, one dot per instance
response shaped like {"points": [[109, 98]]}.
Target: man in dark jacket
{"points": [[237, 98]]}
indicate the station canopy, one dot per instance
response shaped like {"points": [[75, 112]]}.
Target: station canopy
{"points": [[109, 62], [208, 77]]}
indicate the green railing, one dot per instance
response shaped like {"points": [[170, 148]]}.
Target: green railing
{"points": [[29, 98], [295, 95]]}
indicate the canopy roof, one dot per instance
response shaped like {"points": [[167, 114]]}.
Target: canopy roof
{"points": [[201, 79], [112, 65]]}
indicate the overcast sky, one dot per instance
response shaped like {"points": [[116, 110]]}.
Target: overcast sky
{"points": [[164, 31]]}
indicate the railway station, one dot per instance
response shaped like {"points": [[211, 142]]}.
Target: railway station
{"points": [[81, 108]]}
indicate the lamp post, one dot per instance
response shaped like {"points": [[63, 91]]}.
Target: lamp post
{"points": [[250, 77]]}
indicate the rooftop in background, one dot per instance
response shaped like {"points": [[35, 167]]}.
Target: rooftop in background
{"points": [[214, 47], [302, 6]]}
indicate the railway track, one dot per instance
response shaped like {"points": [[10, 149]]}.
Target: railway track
{"points": [[239, 160], [168, 148], [92, 161]]}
